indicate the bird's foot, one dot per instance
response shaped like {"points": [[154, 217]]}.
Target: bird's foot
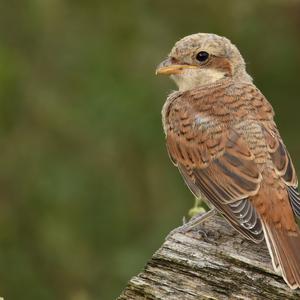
{"points": [[193, 224]]}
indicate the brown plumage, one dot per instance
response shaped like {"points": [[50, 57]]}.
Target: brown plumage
{"points": [[221, 135]]}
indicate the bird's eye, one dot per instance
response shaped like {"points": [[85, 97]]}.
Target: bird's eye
{"points": [[202, 56]]}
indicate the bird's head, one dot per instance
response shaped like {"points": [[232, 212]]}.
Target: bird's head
{"points": [[203, 58]]}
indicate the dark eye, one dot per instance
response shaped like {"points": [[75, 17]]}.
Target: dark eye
{"points": [[202, 56]]}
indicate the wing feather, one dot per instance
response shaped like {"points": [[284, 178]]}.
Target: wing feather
{"points": [[283, 165], [230, 177], [294, 199]]}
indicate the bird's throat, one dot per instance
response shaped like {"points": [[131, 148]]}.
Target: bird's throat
{"points": [[190, 79]]}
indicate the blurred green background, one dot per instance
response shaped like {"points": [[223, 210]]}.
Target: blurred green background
{"points": [[87, 189]]}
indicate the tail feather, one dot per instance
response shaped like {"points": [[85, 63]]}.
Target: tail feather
{"points": [[284, 247], [271, 248]]}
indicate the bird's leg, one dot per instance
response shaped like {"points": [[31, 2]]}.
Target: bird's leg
{"points": [[198, 219], [194, 222]]}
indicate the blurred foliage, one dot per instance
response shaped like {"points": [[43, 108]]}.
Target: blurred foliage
{"points": [[87, 189]]}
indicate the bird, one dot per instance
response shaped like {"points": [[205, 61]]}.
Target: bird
{"points": [[221, 135]]}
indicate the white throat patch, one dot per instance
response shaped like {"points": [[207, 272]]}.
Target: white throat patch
{"points": [[192, 78]]}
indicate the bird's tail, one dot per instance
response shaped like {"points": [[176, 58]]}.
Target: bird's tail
{"points": [[284, 247]]}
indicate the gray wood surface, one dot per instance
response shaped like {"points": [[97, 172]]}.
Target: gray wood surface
{"points": [[214, 263]]}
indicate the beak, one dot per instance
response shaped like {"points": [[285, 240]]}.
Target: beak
{"points": [[167, 67]]}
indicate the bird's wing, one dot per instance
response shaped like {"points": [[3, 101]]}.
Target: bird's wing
{"points": [[283, 164], [214, 160]]}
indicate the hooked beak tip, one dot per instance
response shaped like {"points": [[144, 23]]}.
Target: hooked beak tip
{"points": [[167, 67]]}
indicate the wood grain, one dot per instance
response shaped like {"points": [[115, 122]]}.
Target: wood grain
{"points": [[213, 263]]}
